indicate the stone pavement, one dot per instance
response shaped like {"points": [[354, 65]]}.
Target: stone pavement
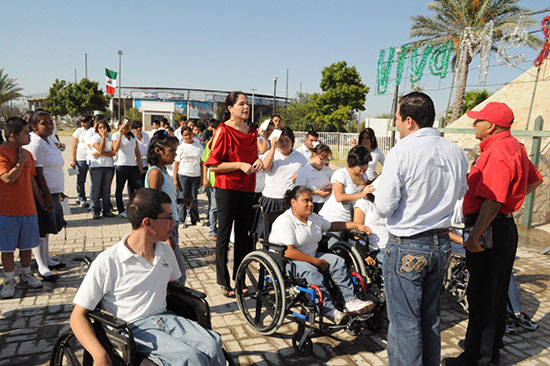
{"points": [[33, 319]]}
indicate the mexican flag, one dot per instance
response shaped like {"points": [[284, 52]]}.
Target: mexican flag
{"points": [[110, 81]]}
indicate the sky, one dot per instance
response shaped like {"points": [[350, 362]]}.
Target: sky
{"points": [[237, 45]]}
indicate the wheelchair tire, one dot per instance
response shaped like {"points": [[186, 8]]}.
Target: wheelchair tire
{"points": [[264, 304], [354, 261], [307, 347], [68, 351]]}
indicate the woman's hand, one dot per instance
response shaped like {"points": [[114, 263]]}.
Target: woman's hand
{"points": [[258, 166], [322, 193], [370, 261], [353, 142], [363, 228], [247, 168], [73, 164], [368, 189]]}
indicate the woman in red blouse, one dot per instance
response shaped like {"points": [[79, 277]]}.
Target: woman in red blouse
{"points": [[234, 160]]}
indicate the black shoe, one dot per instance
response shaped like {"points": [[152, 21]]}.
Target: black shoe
{"points": [[59, 265], [51, 278], [96, 216], [457, 361], [108, 214]]}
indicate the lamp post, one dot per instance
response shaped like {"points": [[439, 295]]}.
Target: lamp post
{"points": [[274, 93], [119, 80], [394, 106], [253, 90]]}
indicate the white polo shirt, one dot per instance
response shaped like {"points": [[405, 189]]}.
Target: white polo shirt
{"points": [[126, 284], [315, 179], [143, 145], [102, 160], [279, 178], [81, 148], [88, 137], [380, 235], [377, 156], [333, 210], [304, 151], [288, 230], [48, 157], [126, 154], [189, 156]]}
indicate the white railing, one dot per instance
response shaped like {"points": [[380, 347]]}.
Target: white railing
{"points": [[340, 143]]}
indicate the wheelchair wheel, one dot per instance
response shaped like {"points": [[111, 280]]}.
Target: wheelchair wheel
{"points": [[354, 261], [260, 292], [68, 351], [307, 347]]}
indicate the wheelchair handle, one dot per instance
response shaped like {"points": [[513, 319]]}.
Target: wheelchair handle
{"points": [[361, 234]]}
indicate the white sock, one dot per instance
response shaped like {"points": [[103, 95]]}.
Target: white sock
{"points": [[46, 252], [10, 276], [43, 268], [25, 270]]}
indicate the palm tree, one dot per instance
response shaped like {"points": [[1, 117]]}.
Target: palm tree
{"points": [[8, 88], [452, 17]]}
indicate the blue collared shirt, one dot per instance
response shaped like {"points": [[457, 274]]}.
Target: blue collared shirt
{"points": [[423, 177]]}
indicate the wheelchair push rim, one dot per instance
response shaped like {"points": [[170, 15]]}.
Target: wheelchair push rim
{"points": [[263, 305]]}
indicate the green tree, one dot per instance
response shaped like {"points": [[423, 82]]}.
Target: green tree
{"points": [[473, 98], [453, 16], [55, 103], [8, 88], [343, 95], [134, 114], [84, 97], [295, 115]]}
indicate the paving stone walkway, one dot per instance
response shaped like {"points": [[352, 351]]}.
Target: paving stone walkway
{"points": [[32, 320]]}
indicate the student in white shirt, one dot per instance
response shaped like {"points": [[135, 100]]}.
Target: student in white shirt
{"points": [[155, 124], [187, 175], [127, 162], [312, 139], [348, 185], [367, 138], [264, 131], [130, 280], [101, 169], [281, 165], [143, 144], [80, 157], [316, 175]]}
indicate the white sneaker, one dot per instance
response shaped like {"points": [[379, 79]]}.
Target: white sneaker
{"points": [[29, 280], [358, 306], [8, 290], [338, 316]]}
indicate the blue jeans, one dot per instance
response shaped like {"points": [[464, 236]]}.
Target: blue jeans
{"points": [[338, 272], [172, 340], [190, 188], [413, 275], [212, 210], [102, 178], [82, 166], [513, 297]]}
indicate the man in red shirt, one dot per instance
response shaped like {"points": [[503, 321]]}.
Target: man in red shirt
{"points": [[498, 183]]}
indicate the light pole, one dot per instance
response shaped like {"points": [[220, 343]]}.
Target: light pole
{"points": [[119, 80], [274, 93], [394, 107], [253, 90]]}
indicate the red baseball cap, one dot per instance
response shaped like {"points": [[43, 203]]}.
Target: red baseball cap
{"points": [[498, 113]]}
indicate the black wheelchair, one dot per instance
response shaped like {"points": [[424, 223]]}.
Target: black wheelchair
{"points": [[116, 337], [456, 282], [266, 293]]}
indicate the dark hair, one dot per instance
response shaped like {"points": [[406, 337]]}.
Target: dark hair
{"points": [[137, 124], [86, 119], [161, 139], [368, 133], [213, 122], [419, 107], [169, 129], [276, 115], [155, 122], [145, 202], [183, 118], [287, 131], [99, 117], [230, 101], [164, 121], [126, 120], [102, 122], [358, 155], [36, 117], [14, 125], [321, 149], [312, 133], [294, 193]]}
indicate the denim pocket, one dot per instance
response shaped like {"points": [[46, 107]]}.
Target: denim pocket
{"points": [[411, 263]]}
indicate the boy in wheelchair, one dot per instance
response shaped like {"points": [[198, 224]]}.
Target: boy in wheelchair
{"points": [[300, 229], [130, 280]]}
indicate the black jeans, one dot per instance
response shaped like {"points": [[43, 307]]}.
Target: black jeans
{"points": [[190, 189], [82, 166], [102, 178], [125, 174], [488, 292], [233, 206]]}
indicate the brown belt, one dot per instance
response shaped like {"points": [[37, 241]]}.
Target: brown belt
{"points": [[424, 234]]}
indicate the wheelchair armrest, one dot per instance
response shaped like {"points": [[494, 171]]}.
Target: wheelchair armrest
{"points": [[182, 289], [361, 234], [281, 248], [107, 319]]}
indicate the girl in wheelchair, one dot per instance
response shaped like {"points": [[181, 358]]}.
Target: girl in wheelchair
{"points": [[300, 229]]}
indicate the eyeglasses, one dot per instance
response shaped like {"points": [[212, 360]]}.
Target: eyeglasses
{"points": [[169, 217]]}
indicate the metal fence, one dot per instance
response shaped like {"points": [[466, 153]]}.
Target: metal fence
{"points": [[340, 143]]}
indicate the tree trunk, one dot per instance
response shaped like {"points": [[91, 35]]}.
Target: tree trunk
{"points": [[460, 91]]}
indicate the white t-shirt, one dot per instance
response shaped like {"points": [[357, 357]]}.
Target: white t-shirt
{"points": [[189, 156], [48, 157], [377, 156], [143, 145], [101, 161], [315, 179], [305, 151], [288, 230], [380, 235], [82, 147], [126, 284], [126, 154], [279, 179], [333, 210], [88, 137], [152, 132]]}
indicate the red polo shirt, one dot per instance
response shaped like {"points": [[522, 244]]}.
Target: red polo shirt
{"points": [[501, 173]]}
